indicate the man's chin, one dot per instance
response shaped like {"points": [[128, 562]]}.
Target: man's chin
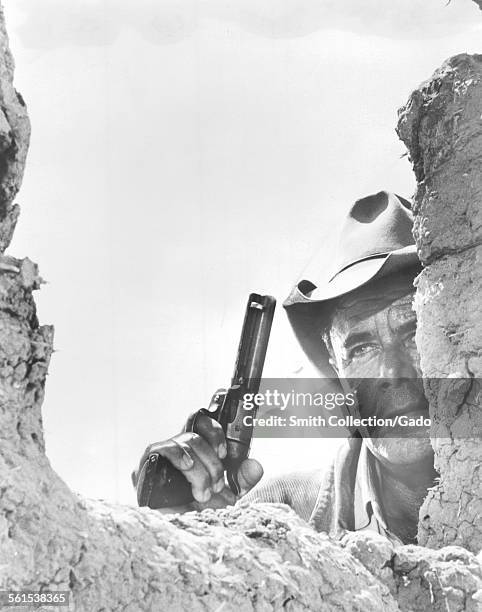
{"points": [[402, 450]]}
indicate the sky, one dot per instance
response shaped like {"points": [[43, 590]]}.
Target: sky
{"points": [[184, 154]]}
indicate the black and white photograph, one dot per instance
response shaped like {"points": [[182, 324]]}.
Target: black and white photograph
{"points": [[241, 305]]}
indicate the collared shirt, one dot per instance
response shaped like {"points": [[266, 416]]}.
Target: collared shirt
{"points": [[315, 496], [369, 513]]}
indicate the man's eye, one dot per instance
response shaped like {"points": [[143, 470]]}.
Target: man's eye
{"points": [[360, 350]]}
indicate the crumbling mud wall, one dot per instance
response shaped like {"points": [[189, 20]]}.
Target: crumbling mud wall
{"points": [[111, 557], [441, 126], [14, 140], [120, 558]]}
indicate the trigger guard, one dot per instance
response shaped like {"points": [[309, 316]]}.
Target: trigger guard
{"points": [[212, 411]]}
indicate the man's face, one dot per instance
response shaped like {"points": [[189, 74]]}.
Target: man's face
{"points": [[373, 340]]}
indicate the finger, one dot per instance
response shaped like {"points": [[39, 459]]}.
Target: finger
{"points": [[213, 433], [250, 473], [228, 496], [190, 422], [220, 500], [209, 458], [177, 452], [182, 456]]}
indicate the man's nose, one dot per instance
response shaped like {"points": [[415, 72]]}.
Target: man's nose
{"points": [[395, 363]]}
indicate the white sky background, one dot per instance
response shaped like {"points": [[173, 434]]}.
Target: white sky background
{"points": [[183, 154]]}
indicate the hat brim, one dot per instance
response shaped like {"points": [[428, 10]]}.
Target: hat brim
{"points": [[300, 303], [353, 277]]}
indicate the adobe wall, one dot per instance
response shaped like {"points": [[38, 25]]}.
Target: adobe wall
{"points": [[441, 126], [112, 557]]}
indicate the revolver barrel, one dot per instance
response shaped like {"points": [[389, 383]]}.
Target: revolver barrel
{"points": [[161, 485]]}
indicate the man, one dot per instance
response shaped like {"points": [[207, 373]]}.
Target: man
{"points": [[360, 327]]}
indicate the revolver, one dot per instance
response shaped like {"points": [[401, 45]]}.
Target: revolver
{"points": [[159, 483]]}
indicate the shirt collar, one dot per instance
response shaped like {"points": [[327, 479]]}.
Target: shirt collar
{"points": [[368, 509]]}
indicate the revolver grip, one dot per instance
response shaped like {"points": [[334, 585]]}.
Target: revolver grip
{"points": [[161, 485]]}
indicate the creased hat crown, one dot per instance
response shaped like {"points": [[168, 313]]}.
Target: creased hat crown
{"points": [[375, 226], [375, 241]]}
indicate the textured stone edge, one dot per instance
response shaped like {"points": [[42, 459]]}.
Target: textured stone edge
{"points": [[14, 140], [113, 557], [441, 125]]}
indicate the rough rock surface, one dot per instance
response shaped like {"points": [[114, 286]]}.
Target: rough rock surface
{"points": [[109, 557], [441, 126], [421, 579], [14, 139], [113, 557]]}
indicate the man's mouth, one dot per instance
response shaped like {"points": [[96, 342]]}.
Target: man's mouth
{"points": [[390, 425], [389, 405], [410, 411], [406, 401]]}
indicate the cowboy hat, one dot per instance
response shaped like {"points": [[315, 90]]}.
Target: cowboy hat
{"points": [[375, 241]]}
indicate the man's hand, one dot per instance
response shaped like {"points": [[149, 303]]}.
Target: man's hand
{"points": [[199, 457]]}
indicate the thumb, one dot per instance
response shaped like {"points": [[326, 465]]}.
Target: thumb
{"points": [[250, 473]]}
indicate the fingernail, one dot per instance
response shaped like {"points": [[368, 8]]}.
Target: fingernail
{"points": [[219, 485], [202, 496], [230, 497], [222, 450], [187, 460]]}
